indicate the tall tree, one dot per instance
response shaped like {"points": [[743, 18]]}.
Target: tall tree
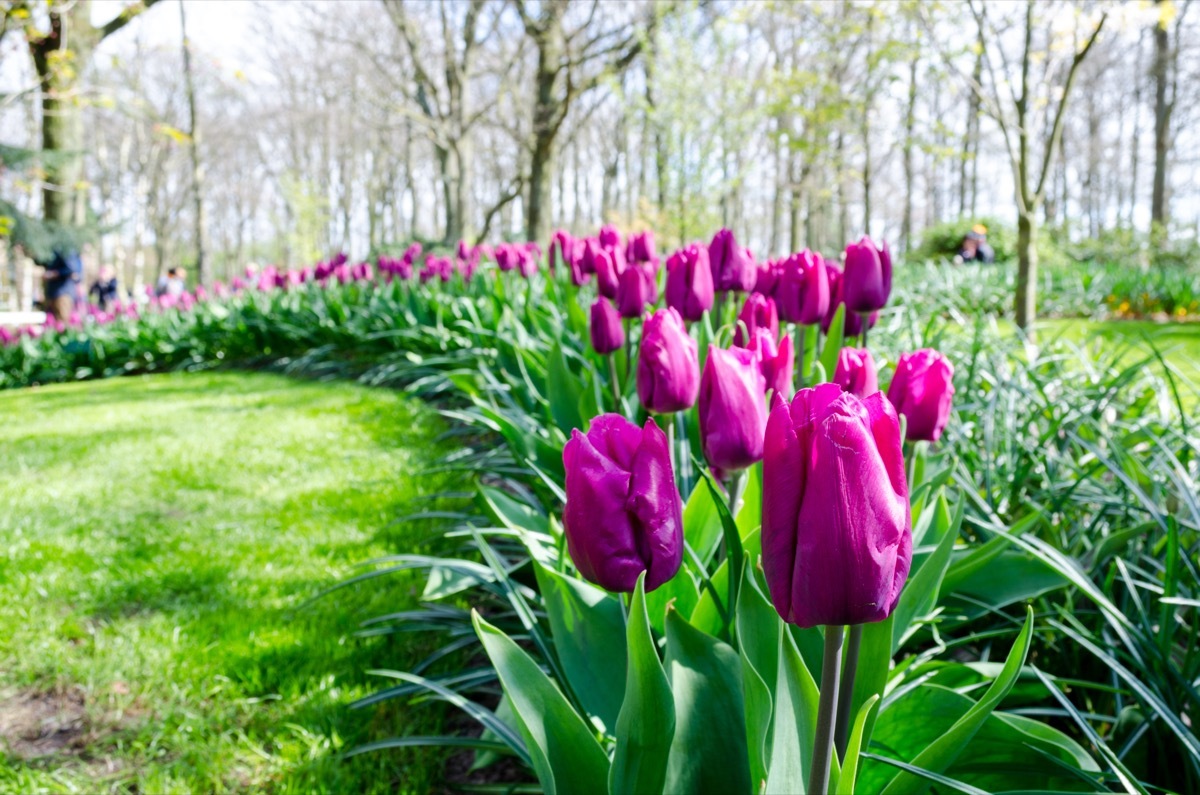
{"points": [[1166, 89], [570, 63], [60, 54], [1016, 113], [194, 150]]}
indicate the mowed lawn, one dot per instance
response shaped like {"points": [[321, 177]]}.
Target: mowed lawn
{"points": [[159, 540]]}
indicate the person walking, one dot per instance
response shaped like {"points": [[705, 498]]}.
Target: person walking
{"points": [[60, 280], [105, 292]]}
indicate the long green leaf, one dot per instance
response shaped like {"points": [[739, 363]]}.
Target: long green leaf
{"points": [[589, 638], [708, 753], [646, 724], [563, 751], [943, 751]]}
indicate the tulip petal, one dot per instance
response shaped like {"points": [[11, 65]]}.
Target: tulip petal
{"points": [[656, 507]]}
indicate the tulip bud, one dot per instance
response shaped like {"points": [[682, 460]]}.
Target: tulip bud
{"points": [[636, 289], [802, 294], [733, 411], [608, 271], [668, 374], [609, 237], [758, 312], [852, 321], [560, 246], [767, 280], [922, 389], [640, 248], [732, 268], [607, 333], [855, 372], [623, 515], [868, 276], [776, 364], [689, 282], [836, 528]]}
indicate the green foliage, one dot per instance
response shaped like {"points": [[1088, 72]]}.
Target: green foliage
{"points": [[162, 538]]}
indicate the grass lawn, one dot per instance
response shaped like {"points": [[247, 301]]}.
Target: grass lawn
{"points": [[1179, 343], [158, 538]]}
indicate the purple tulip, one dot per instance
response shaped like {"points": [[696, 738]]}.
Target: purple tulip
{"points": [[802, 294], [836, 528], [560, 246], [733, 410], [608, 271], [636, 289], [758, 312], [640, 248], [853, 322], [609, 237], [623, 515], [607, 333], [732, 267], [668, 368], [767, 280], [868, 276], [776, 363], [855, 372], [689, 282], [922, 389]]}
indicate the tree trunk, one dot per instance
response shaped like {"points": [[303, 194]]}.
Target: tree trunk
{"points": [[910, 114], [63, 198], [1027, 269], [1162, 126], [194, 149], [547, 115]]}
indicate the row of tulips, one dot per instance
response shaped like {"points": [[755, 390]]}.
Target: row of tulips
{"points": [[704, 676]]}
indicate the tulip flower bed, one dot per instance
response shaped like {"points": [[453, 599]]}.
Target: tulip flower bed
{"points": [[687, 575]]}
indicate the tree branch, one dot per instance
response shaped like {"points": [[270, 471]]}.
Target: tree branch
{"points": [[126, 16], [1056, 133]]}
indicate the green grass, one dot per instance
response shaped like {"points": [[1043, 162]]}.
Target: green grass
{"points": [[1179, 343], [159, 537]]}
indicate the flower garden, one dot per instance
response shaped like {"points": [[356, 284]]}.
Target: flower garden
{"points": [[719, 525]]}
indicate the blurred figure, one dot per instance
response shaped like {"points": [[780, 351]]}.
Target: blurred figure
{"points": [[105, 292], [975, 247], [61, 280], [173, 284]]}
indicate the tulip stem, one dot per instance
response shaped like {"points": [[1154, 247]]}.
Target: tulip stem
{"points": [[866, 322], [846, 696], [616, 382], [831, 670], [737, 488], [669, 421]]}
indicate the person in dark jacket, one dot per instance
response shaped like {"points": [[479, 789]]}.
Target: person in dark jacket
{"points": [[104, 291], [60, 281], [975, 247]]}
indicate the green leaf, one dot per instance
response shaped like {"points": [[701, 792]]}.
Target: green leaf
{"points": [[589, 638], [749, 516], [565, 754], [680, 590], [833, 342], [708, 753], [874, 666], [921, 593], [563, 392], [1009, 752], [646, 724], [942, 752], [796, 699], [758, 630], [701, 522], [846, 780]]}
